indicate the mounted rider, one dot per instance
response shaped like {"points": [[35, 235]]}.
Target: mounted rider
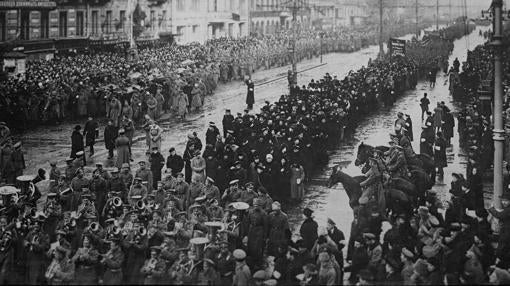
{"points": [[396, 162], [372, 186]]}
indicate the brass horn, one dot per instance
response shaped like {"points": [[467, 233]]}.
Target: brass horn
{"points": [[116, 230], [140, 204], [94, 226], [117, 202], [142, 231]]}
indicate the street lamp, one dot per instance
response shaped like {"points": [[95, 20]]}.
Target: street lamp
{"points": [[496, 13]]}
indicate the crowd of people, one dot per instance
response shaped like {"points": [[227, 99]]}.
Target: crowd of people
{"points": [[213, 216], [164, 78]]}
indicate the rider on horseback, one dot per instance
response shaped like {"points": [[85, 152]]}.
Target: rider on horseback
{"points": [[372, 186], [397, 163]]}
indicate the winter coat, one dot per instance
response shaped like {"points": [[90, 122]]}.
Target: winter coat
{"points": [[297, 177], [110, 134], [122, 146], [182, 104]]}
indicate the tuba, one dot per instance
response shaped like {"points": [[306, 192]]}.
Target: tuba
{"points": [[94, 227], [117, 202], [140, 205], [142, 231]]}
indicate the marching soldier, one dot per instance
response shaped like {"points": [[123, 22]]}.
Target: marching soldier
{"points": [[112, 262]]}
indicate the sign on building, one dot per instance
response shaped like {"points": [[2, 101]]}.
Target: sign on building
{"points": [[397, 47]]}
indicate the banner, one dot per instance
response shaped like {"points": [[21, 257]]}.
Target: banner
{"points": [[397, 47]]}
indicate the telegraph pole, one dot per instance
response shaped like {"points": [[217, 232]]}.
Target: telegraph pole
{"points": [[498, 131], [294, 40], [381, 49], [417, 16], [437, 15]]}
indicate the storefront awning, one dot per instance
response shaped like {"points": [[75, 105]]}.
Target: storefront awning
{"points": [[15, 4]]}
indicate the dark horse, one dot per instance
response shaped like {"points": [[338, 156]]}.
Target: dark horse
{"points": [[351, 185], [419, 168], [397, 201], [421, 161]]}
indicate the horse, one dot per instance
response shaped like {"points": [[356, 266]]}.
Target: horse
{"points": [[350, 184], [397, 201], [421, 161]]}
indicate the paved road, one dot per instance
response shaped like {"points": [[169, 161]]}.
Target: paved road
{"points": [[48, 143], [374, 130]]}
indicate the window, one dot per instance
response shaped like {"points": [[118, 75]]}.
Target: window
{"points": [[195, 29], [196, 5], [80, 23], [95, 22], [45, 26], [62, 27], [181, 5], [108, 22], [122, 19], [153, 19], [163, 19]]}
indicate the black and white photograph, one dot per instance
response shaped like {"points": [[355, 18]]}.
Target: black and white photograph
{"points": [[255, 142]]}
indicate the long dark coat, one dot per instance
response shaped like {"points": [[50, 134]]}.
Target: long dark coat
{"points": [[250, 95], [77, 143], [440, 153], [308, 232], [90, 132], [110, 134]]}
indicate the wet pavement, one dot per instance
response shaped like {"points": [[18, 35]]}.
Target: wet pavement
{"points": [[374, 130], [53, 143]]}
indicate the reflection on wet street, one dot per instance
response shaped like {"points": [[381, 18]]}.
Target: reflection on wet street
{"points": [[374, 130]]}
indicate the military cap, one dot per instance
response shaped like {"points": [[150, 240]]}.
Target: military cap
{"points": [[239, 254]]}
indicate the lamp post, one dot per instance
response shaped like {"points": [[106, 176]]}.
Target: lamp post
{"points": [[498, 131]]}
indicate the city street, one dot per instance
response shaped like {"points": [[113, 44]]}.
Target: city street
{"points": [[54, 142]]}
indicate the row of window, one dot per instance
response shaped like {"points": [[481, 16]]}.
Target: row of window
{"points": [[211, 5]]}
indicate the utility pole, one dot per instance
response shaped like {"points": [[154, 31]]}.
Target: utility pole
{"points": [[437, 15], [294, 40], [417, 16], [498, 131], [381, 49]]}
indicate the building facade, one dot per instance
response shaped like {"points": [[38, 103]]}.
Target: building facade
{"points": [[201, 20], [269, 16]]}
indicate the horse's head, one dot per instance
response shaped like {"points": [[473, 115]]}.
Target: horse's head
{"points": [[363, 154], [332, 178]]}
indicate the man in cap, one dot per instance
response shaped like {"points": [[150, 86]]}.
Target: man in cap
{"points": [[145, 174], [110, 135], [242, 276], [182, 191], [154, 267], [211, 191], [61, 269], [258, 227], [157, 163], [79, 181], [91, 132], [397, 163], [115, 184], [137, 190], [227, 122], [102, 172], [373, 186], [279, 230], [250, 95], [36, 243], [112, 262], [308, 229], [54, 171], [440, 154], [174, 162], [211, 134]]}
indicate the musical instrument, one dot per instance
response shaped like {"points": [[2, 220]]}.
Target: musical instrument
{"points": [[117, 202], [140, 204], [214, 226], [94, 227], [199, 244], [52, 269]]}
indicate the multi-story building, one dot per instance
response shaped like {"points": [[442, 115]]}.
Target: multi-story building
{"points": [[351, 12], [269, 16], [200, 20], [323, 14]]}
